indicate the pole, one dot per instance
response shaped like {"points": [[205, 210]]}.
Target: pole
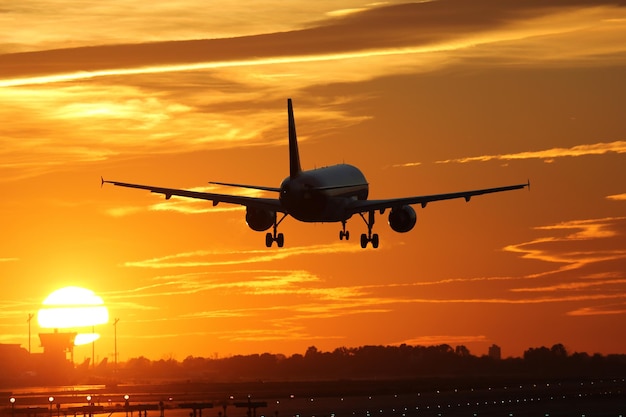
{"points": [[93, 348], [115, 338], [30, 317]]}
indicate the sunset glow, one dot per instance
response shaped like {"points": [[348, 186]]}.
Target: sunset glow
{"points": [[424, 97]]}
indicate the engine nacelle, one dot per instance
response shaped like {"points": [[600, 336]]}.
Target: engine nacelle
{"points": [[402, 219], [259, 219]]}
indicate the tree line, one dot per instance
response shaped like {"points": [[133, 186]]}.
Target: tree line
{"points": [[359, 363], [379, 362]]}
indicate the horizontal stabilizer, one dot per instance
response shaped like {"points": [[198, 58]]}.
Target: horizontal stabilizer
{"points": [[340, 187], [253, 187]]}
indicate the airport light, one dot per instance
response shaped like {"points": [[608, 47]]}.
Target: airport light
{"points": [[51, 400], [12, 401]]}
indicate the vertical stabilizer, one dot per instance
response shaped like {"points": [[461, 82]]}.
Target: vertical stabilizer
{"points": [[294, 155]]}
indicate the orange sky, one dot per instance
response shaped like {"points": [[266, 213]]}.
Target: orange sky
{"points": [[425, 98]]}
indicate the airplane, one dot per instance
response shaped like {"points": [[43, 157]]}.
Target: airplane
{"points": [[322, 195]]}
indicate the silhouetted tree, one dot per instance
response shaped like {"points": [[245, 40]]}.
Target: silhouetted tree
{"points": [[462, 351]]}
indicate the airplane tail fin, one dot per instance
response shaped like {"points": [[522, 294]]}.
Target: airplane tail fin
{"points": [[294, 154]]}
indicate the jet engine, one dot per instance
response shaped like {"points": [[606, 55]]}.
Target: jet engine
{"points": [[259, 219], [402, 219]]}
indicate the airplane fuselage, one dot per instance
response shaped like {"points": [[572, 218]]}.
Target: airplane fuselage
{"points": [[322, 195]]}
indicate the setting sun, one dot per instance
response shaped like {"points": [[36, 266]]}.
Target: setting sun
{"points": [[73, 307]]}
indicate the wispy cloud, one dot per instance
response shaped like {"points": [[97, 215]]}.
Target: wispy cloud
{"points": [[548, 155], [284, 331], [54, 25], [443, 339], [377, 31], [610, 309], [127, 97], [617, 197], [203, 258], [574, 249], [591, 258], [576, 285], [187, 205]]}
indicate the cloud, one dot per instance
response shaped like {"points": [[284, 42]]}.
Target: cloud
{"points": [[577, 285], [282, 332], [588, 241], [246, 282], [591, 257], [617, 197], [203, 258], [387, 30], [188, 205], [130, 93], [602, 310], [548, 155], [435, 340], [54, 25]]}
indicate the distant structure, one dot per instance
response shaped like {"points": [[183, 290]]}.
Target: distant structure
{"points": [[57, 345], [14, 362], [495, 352]]}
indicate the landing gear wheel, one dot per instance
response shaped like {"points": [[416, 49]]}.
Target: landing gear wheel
{"points": [[369, 237], [279, 238], [344, 233]]}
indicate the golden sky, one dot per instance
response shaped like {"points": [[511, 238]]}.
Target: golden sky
{"points": [[424, 97]]}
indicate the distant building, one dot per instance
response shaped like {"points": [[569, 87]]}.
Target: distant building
{"points": [[57, 345], [495, 353], [14, 361]]}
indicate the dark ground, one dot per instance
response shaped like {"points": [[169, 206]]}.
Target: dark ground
{"points": [[367, 398]]}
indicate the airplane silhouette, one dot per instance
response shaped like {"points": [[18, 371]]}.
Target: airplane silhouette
{"points": [[322, 195]]}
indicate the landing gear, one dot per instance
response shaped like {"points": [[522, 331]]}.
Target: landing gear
{"points": [[369, 237], [279, 238], [344, 233]]}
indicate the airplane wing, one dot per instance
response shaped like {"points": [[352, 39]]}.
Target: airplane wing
{"points": [[360, 206], [272, 204]]}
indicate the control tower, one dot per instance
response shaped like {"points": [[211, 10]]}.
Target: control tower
{"points": [[57, 345]]}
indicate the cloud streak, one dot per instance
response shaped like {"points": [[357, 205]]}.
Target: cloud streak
{"points": [[617, 197], [203, 258], [433, 340], [380, 31], [548, 155]]}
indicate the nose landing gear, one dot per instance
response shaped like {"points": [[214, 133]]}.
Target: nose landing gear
{"points": [[344, 233]]}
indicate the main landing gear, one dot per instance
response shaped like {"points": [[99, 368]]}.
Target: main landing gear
{"points": [[365, 238], [369, 237], [279, 238]]}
